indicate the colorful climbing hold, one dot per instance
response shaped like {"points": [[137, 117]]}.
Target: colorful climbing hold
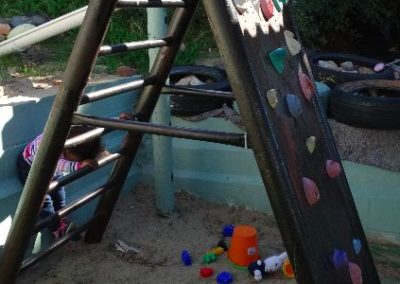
{"points": [[277, 58], [209, 257], [272, 97], [287, 269], [311, 191], [310, 143], [267, 8], [294, 105], [333, 168], [242, 5], [339, 258], [292, 44], [355, 273], [206, 272], [186, 258], [307, 87], [224, 278], [278, 5], [357, 246]]}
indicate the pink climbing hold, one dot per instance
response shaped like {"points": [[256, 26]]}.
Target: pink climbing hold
{"points": [[306, 85], [267, 8], [333, 168], [311, 191], [379, 67], [355, 273]]}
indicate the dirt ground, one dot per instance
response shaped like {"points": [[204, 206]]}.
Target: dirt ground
{"points": [[196, 226]]}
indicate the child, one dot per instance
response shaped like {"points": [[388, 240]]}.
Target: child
{"points": [[72, 159]]}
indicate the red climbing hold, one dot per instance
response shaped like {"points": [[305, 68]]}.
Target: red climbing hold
{"points": [[267, 8], [333, 168], [306, 85], [206, 272], [311, 191], [355, 273]]}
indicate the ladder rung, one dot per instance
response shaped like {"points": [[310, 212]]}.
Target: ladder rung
{"points": [[130, 46], [150, 3], [235, 139], [72, 207], [82, 172], [57, 244], [179, 90], [115, 90]]}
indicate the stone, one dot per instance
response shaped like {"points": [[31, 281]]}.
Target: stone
{"points": [[327, 64], [379, 67], [38, 20], [307, 86], [3, 21], [292, 44], [310, 144], [347, 66], [333, 168], [355, 273], [277, 58], [267, 9], [19, 20], [294, 105], [365, 70], [2, 38], [4, 29], [272, 97], [311, 191], [125, 71], [19, 30]]}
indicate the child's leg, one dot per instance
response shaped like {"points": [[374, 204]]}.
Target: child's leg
{"points": [[47, 210], [58, 198]]}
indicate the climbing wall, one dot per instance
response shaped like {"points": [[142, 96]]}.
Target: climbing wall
{"points": [[292, 142]]}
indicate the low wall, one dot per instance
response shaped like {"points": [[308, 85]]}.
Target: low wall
{"points": [[23, 121]]}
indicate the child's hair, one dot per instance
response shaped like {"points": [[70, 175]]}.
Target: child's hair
{"points": [[86, 150]]}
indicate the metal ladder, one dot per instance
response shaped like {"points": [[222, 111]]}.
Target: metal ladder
{"points": [[276, 139]]}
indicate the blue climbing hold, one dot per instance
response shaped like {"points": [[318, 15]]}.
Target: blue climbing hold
{"points": [[277, 58], [224, 278], [340, 258], [294, 105], [357, 246], [227, 231], [186, 258]]}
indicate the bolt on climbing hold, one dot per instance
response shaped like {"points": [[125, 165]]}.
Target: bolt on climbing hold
{"points": [[292, 44], [307, 87], [294, 105], [272, 97], [357, 245], [311, 191], [333, 168], [310, 143], [277, 58], [267, 8]]}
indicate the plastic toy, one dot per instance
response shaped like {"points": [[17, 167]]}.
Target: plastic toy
{"points": [[274, 263], [206, 272], [209, 257], [287, 269], [258, 275], [224, 278], [186, 258], [243, 249], [257, 269], [218, 251], [227, 231], [223, 245]]}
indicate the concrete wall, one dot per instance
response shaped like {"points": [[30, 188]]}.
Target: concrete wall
{"points": [[23, 121]]}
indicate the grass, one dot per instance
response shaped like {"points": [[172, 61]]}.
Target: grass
{"points": [[126, 26]]}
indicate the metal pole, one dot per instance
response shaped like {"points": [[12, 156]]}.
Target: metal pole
{"points": [[77, 72], [162, 145], [143, 111]]}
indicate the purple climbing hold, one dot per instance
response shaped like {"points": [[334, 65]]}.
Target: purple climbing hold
{"points": [[294, 105], [339, 258], [277, 58], [357, 246]]}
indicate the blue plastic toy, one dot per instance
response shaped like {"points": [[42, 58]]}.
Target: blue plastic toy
{"points": [[186, 258], [227, 231], [224, 278]]}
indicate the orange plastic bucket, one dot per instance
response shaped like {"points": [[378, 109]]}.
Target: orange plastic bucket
{"points": [[243, 249]]}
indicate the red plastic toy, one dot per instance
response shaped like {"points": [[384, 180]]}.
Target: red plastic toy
{"points": [[206, 272]]}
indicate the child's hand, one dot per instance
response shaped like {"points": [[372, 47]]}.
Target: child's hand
{"points": [[126, 116], [89, 162]]}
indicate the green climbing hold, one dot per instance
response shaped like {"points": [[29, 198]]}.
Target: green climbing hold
{"points": [[278, 5], [277, 58]]}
